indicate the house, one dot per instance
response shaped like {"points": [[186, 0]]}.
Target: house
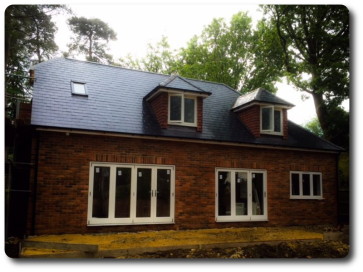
{"points": [[124, 150]]}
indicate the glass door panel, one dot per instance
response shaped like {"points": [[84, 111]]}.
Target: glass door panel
{"points": [[224, 193], [163, 193], [257, 194], [241, 193], [143, 192], [101, 191], [123, 192]]}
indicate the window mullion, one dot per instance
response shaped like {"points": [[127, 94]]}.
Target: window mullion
{"points": [[112, 193], [182, 108], [233, 193]]}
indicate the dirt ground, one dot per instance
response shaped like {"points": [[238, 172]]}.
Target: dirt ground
{"points": [[309, 250], [270, 242]]}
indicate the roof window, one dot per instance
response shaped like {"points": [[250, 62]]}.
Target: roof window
{"points": [[79, 88]]}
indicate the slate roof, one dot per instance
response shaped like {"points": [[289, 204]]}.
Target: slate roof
{"points": [[176, 82], [115, 103], [259, 95]]}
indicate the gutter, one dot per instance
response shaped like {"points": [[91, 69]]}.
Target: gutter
{"points": [[175, 139]]}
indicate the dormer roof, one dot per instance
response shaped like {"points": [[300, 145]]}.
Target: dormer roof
{"points": [[260, 96], [178, 83]]}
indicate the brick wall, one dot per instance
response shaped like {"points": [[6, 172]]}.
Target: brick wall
{"points": [[285, 124], [159, 104], [251, 118], [63, 178]]}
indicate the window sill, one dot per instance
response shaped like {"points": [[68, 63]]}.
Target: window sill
{"points": [[306, 198], [182, 124], [272, 133], [235, 220], [129, 224]]}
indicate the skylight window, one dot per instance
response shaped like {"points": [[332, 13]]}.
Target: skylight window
{"points": [[79, 88]]}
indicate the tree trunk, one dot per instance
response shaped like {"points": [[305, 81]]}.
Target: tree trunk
{"points": [[322, 114], [90, 57]]}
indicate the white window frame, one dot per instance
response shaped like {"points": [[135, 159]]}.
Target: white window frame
{"points": [[132, 220], [181, 122], [241, 218], [85, 93], [311, 195], [272, 121]]}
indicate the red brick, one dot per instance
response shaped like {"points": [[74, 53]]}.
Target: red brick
{"points": [[63, 180]]}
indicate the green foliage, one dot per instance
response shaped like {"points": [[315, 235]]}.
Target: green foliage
{"points": [[159, 59], [233, 54], [91, 37], [29, 39], [314, 127], [315, 43]]}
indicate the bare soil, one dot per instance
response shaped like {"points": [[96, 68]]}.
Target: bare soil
{"points": [[293, 249]]}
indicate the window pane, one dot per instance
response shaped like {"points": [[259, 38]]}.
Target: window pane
{"points": [[241, 193], [316, 185], [101, 186], [189, 110], [143, 199], [266, 118], [175, 108], [295, 184], [277, 121], [306, 184], [224, 193], [78, 88], [257, 194], [123, 192], [163, 193]]}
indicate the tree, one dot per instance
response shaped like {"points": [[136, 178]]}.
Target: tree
{"points": [[29, 39], [159, 59], [222, 53], [314, 127], [315, 45], [91, 38], [232, 54]]}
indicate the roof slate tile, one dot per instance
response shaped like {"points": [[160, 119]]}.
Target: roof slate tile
{"points": [[115, 103]]}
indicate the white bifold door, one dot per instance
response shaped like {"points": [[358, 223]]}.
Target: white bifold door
{"points": [[241, 195], [130, 194]]}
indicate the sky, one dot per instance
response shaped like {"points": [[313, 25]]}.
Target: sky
{"points": [[139, 24]]}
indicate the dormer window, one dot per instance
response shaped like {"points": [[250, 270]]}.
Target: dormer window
{"points": [[178, 101], [182, 110], [79, 88], [263, 113], [271, 120]]}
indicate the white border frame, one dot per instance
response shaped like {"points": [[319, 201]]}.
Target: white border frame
{"points": [[181, 122], [311, 196], [272, 120]]}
